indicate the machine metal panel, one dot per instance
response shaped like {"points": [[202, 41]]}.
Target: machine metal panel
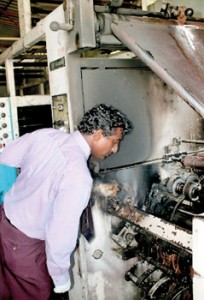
{"points": [[8, 121], [174, 52], [120, 89], [153, 107]]}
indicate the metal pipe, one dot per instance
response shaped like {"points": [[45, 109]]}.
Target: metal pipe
{"points": [[55, 26], [193, 161], [193, 141]]}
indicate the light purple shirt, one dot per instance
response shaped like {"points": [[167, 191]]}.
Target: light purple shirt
{"points": [[50, 193]]}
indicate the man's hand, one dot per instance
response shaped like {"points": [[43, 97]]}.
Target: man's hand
{"points": [[106, 189], [60, 296], [61, 292]]}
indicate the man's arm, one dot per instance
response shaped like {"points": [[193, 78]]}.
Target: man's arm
{"points": [[13, 153], [62, 229]]}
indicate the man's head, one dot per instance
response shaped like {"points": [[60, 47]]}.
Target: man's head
{"points": [[104, 127]]}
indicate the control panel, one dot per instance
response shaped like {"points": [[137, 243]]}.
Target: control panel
{"points": [[8, 122], [60, 112]]}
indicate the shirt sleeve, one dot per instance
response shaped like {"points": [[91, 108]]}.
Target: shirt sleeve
{"points": [[62, 229], [13, 153]]}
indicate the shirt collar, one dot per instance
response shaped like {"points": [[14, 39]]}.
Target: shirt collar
{"points": [[79, 139]]}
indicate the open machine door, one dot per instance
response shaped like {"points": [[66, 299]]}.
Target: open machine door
{"points": [[174, 52]]}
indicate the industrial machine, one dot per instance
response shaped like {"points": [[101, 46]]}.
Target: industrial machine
{"points": [[8, 131], [16, 118], [147, 242]]}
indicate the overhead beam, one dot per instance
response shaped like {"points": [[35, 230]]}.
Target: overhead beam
{"points": [[10, 79], [24, 11], [6, 38], [31, 38]]}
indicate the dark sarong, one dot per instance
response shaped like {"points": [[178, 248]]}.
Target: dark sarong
{"points": [[23, 269]]}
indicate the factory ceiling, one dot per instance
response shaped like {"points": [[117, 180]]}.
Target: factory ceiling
{"points": [[31, 65], [9, 24], [9, 18]]}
